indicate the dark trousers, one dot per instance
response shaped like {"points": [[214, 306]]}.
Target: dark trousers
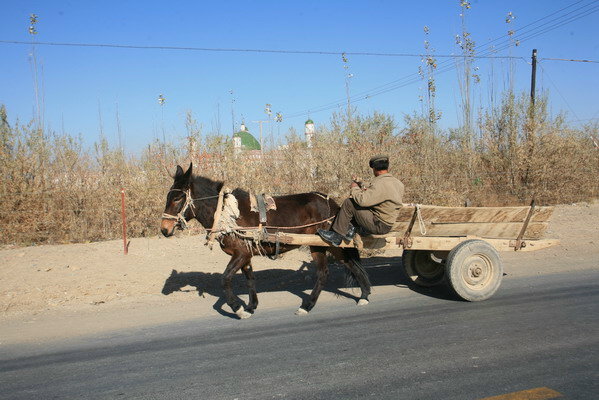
{"points": [[361, 216]]}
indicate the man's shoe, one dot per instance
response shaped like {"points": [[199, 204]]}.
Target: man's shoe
{"points": [[330, 236], [351, 232]]}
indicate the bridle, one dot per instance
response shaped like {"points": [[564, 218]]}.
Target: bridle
{"points": [[180, 217]]}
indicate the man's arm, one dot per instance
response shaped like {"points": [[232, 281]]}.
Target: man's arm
{"points": [[369, 197]]}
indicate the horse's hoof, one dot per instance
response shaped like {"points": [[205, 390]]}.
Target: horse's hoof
{"points": [[301, 311], [363, 302], [242, 314]]}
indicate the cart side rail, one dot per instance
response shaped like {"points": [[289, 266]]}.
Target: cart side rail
{"points": [[382, 242], [484, 222]]}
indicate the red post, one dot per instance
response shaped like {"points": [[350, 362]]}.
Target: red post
{"points": [[124, 217]]}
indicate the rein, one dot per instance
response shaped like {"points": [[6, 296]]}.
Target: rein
{"points": [[280, 227]]}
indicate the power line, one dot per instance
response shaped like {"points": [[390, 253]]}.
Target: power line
{"points": [[523, 35], [283, 51], [235, 50], [444, 66], [559, 92], [570, 59], [486, 51]]}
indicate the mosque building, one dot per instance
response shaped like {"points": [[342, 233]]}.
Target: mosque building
{"points": [[244, 141]]}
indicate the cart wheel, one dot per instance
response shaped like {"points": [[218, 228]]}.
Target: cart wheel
{"points": [[423, 268], [474, 270]]}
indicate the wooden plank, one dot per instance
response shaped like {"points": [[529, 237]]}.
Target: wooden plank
{"points": [[499, 230], [405, 213], [532, 245], [302, 239], [475, 214], [447, 244], [418, 243]]}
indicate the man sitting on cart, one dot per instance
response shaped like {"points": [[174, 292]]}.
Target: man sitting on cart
{"points": [[374, 207]]}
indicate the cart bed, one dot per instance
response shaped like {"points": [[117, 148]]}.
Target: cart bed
{"points": [[426, 227]]}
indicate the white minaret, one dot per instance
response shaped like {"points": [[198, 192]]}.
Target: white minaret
{"points": [[236, 144], [309, 132], [237, 139]]}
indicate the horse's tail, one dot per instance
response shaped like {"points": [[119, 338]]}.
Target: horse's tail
{"points": [[355, 272]]}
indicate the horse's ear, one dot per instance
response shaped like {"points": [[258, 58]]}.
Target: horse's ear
{"points": [[189, 171], [179, 171]]}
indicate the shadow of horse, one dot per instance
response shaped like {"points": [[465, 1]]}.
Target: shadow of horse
{"points": [[383, 271]]}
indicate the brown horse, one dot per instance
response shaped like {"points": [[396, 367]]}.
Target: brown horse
{"points": [[194, 196]]}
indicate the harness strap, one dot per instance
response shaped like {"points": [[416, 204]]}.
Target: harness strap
{"points": [[189, 203], [217, 214], [260, 227], [169, 216]]}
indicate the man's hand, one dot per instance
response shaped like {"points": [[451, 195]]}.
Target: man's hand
{"points": [[354, 184]]}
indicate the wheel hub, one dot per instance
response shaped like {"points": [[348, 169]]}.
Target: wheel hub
{"points": [[478, 271]]}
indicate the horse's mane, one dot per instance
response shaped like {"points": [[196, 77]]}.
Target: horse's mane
{"points": [[206, 186]]}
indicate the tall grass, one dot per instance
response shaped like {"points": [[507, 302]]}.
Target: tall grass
{"points": [[518, 154]]}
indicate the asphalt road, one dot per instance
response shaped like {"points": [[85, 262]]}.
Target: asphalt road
{"points": [[540, 331]]}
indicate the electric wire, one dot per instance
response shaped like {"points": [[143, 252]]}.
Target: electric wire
{"points": [[569, 59], [236, 50], [580, 12], [558, 91], [507, 41], [485, 51]]}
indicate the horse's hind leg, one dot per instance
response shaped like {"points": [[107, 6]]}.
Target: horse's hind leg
{"points": [[351, 259], [237, 261], [322, 274], [251, 281]]}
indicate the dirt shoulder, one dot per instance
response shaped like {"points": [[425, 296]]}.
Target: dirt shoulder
{"points": [[51, 292]]}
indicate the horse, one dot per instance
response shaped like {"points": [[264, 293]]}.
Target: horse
{"points": [[194, 196]]}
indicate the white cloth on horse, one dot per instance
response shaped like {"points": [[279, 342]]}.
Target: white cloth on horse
{"points": [[229, 214]]}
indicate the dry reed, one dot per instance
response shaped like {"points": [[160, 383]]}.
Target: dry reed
{"points": [[54, 190]]}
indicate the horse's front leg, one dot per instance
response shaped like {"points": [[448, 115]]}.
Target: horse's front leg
{"points": [[237, 261], [251, 281], [322, 274]]}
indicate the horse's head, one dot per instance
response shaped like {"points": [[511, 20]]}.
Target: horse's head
{"points": [[179, 206]]}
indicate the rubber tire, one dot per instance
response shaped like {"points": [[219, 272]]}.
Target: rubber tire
{"points": [[461, 275], [413, 261]]}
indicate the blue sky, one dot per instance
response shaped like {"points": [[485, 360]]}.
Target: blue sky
{"points": [[81, 83]]}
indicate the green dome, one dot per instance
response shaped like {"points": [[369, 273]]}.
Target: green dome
{"points": [[248, 142], [309, 122]]}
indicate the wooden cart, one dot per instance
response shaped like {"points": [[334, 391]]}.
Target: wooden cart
{"points": [[454, 245]]}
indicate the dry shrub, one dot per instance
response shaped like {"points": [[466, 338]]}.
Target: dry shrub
{"points": [[54, 190]]}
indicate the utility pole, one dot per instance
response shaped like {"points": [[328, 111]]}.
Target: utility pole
{"points": [[232, 109], [533, 78], [261, 144], [531, 132], [268, 111]]}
